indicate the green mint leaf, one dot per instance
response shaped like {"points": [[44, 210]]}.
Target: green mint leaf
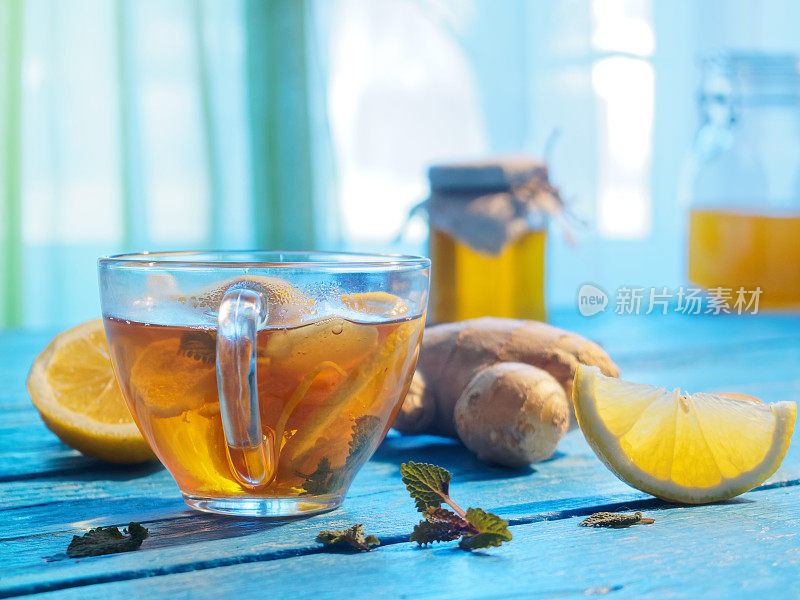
{"points": [[428, 532], [318, 482], [428, 484], [440, 525], [352, 538], [107, 540], [614, 520], [365, 430], [199, 345], [326, 479], [491, 530]]}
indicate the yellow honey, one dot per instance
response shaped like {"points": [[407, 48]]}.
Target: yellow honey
{"points": [[732, 249], [466, 284]]}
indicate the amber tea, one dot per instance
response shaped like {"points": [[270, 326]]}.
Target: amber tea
{"points": [[328, 391], [263, 380]]}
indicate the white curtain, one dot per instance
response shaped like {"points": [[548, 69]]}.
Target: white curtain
{"points": [[183, 124], [155, 124]]}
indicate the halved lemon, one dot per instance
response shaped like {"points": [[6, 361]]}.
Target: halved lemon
{"points": [[685, 448], [75, 391]]}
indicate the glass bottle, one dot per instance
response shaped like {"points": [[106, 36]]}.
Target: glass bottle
{"points": [[744, 178]]}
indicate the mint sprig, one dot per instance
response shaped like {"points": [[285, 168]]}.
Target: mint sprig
{"points": [[429, 486]]}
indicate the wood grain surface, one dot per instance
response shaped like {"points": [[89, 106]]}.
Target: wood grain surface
{"points": [[747, 547]]}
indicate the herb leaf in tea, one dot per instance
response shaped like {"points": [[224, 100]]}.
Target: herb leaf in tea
{"points": [[365, 429], [614, 520], [107, 540], [318, 482], [200, 345], [325, 478], [351, 538]]}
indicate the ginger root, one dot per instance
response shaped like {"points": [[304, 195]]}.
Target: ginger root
{"points": [[509, 415], [513, 414]]}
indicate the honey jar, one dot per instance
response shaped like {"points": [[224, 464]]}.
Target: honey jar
{"points": [[488, 235]]}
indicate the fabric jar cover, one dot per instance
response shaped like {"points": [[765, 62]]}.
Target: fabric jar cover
{"points": [[488, 205]]}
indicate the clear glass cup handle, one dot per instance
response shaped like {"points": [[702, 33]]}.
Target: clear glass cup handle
{"points": [[250, 452]]}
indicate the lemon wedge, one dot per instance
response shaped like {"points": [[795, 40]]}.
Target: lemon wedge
{"points": [[72, 385], [685, 448]]}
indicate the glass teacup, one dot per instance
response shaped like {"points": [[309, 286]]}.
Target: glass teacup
{"points": [[263, 380]]}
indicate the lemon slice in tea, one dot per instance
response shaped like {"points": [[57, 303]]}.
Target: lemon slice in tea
{"points": [[685, 448], [74, 389], [381, 304], [174, 375]]}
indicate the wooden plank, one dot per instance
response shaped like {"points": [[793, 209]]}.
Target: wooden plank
{"points": [[177, 549], [625, 337], [183, 541], [59, 493], [633, 340], [109, 496], [745, 548], [82, 486], [43, 492], [376, 489]]}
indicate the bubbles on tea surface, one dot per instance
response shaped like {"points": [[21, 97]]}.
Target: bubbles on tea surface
{"points": [[165, 303], [299, 350], [337, 326], [288, 306]]}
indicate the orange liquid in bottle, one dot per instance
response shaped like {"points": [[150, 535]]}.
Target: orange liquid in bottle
{"points": [[467, 284], [733, 249]]}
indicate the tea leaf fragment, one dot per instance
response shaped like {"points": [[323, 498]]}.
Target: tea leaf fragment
{"points": [[107, 540], [351, 538], [614, 520]]}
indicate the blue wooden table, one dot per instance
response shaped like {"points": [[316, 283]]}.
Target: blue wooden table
{"points": [[748, 547]]}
